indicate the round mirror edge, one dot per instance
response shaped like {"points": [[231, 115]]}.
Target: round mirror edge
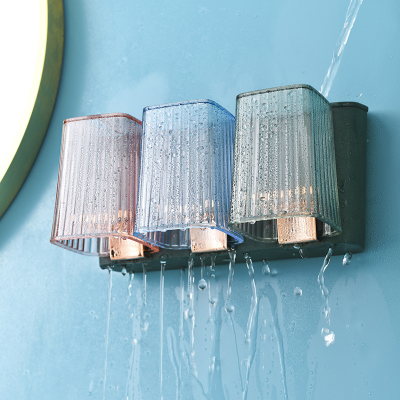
{"points": [[41, 111]]}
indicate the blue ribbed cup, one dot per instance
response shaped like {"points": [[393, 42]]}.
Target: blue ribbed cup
{"points": [[284, 161], [185, 172]]}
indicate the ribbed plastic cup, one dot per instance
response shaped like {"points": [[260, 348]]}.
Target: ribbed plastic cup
{"points": [[284, 163], [97, 183], [186, 172]]}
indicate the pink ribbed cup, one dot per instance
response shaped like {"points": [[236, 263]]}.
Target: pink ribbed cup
{"points": [[97, 183]]}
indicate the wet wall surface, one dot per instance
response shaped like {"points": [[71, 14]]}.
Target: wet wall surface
{"points": [[123, 56]]}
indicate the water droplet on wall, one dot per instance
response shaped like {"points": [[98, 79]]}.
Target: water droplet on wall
{"points": [[229, 307], [274, 272], [347, 258], [328, 336], [265, 268], [202, 284], [297, 291]]}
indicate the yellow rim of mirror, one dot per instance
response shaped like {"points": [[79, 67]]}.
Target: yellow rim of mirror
{"points": [[15, 167]]}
